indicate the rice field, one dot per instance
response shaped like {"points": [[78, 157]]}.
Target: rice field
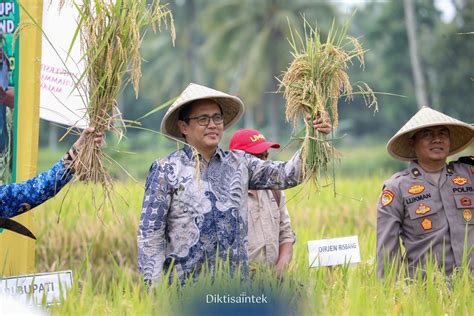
{"points": [[100, 249]]}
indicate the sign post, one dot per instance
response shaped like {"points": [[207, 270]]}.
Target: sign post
{"points": [[34, 288], [335, 251]]}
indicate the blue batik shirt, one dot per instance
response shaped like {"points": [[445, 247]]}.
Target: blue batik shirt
{"points": [[186, 217], [17, 198]]}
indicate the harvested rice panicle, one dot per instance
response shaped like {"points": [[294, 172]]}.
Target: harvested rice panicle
{"points": [[111, 33], [313, 83]]}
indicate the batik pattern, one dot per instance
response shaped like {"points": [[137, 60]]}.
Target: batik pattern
{"points": [[186, 217], [17, 198]]}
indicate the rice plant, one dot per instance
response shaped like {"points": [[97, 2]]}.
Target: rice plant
{"points": [[102, 255], [111, 34], [313, 84]]}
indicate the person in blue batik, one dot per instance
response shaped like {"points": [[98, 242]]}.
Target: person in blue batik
{"points": [[18, 198], [195, 203]]}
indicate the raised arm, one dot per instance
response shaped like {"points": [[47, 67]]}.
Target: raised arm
{"points": [[17, 198], [273, 174], [281, 174]]}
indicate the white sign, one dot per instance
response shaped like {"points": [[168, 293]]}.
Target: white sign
{"points": [[60, 99], [33, 287], [335, 251]]}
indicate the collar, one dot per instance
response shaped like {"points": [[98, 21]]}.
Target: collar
{"points": [[416, 171], [220, 153], [188, 150]]}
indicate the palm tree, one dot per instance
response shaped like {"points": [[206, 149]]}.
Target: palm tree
{"points": [[417, 69], [246, 45], [168, 69]]}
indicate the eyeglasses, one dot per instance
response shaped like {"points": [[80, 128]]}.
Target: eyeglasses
{"points": [[204, 120], [431, 134], [262, 156]]}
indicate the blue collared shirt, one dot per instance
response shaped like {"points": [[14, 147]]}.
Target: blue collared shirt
{"points": [[186, 216], [17, 198]]}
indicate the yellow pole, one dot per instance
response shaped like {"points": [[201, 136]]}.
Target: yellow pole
{"points": [[17, 252]]}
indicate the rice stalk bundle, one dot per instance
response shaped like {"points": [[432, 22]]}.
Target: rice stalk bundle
{"points": [[111, 33], [313, 84]]}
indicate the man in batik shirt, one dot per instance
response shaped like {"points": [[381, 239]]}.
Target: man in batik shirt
{"points": [[195, 202]]}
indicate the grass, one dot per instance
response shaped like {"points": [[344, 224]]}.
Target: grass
{"points": [[100, 248]]}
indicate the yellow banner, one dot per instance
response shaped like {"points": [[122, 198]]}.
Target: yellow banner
{"points": [[17, 252]]}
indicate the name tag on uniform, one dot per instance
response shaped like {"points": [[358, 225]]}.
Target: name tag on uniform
{"points": [[32, 288], [334, 251]]}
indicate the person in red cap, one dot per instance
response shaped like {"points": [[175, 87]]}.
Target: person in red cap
{"points": [[270, 234]]}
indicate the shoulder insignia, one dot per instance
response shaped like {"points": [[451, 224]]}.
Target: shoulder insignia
{"points": [[467, 160], [398, 175], [415, 172], [450, 168], [387, 197]]}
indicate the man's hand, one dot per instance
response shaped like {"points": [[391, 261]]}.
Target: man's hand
{"points": [[284, 258], [87, 133], [322, 123]]}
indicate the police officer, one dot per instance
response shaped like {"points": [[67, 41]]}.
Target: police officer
{"points": [[430, 204]]}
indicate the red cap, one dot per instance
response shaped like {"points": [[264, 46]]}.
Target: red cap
{"points": [[251, 141]]}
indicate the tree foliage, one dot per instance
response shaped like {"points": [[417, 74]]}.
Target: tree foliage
{"points": [[239, 46]]}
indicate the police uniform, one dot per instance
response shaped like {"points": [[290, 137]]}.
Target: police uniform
{"points": [[429, 217], [431, 212]]}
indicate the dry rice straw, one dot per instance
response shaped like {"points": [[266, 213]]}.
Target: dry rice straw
{"points": [[313, 83], [111, 33]]}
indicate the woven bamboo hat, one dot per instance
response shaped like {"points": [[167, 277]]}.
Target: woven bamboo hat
{"points": [[231, 106], [461, 134]]}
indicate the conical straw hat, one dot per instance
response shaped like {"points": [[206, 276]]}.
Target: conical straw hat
{"points": [[461, 134], [231, 106]]}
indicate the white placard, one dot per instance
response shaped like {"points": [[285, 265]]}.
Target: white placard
{"points": [[335, 251], [31, 288], [60, 100]]}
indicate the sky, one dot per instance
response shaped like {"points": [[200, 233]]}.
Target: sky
{"points": [[445, 6]]}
